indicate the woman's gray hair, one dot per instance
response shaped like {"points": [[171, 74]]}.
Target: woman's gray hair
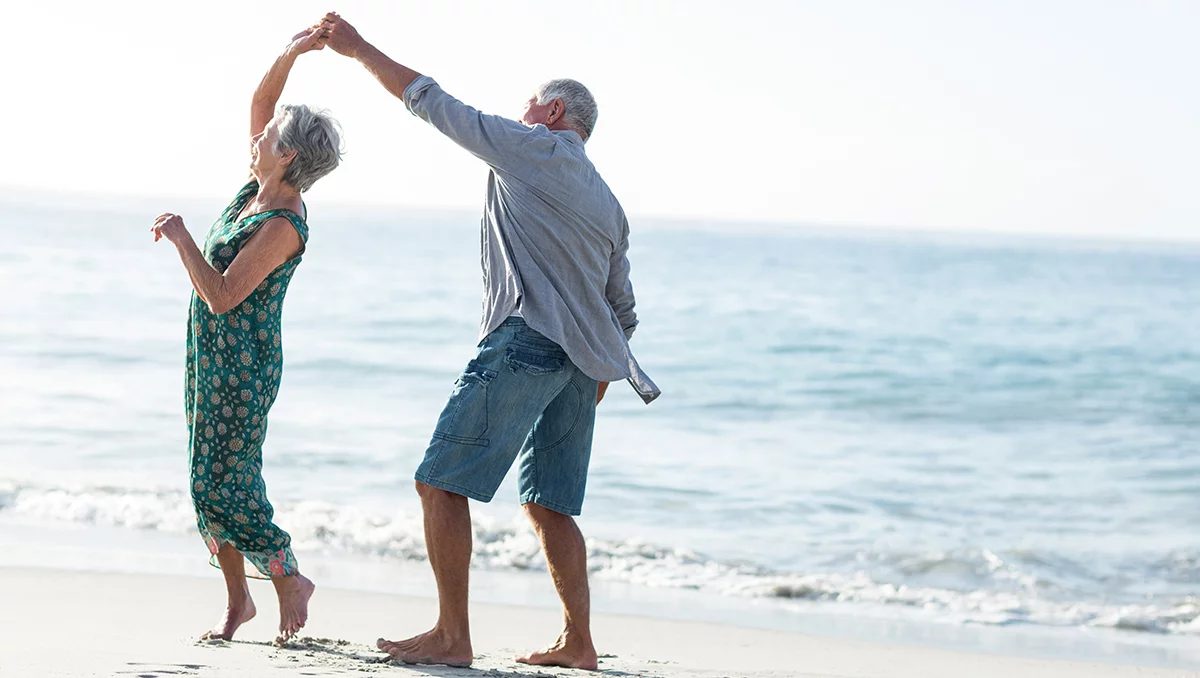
{"points": [[581, 111], [315, 137]]}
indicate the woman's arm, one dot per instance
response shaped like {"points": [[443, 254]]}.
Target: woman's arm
{"points": [[266, 96], [268, 249]]}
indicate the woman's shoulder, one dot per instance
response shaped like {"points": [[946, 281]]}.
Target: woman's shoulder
{"points": [[283, 222], [284, 232], [277, 230]]}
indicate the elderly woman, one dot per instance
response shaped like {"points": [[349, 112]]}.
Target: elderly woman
{"points": [[234, 352]]}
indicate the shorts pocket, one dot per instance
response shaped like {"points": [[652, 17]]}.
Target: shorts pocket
{"points": [[535, 360], [465, 417], [531, 352]]}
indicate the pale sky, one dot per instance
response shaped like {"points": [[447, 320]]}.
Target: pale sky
{"points": [[1052, 116]]}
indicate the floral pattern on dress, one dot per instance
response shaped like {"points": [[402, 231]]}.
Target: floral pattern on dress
{"points": [[234, 367]]}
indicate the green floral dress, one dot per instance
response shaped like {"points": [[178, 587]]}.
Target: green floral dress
{"points": [[234, 364]]}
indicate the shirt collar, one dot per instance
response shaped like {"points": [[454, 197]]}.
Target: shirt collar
{"points": [[568, 135]]}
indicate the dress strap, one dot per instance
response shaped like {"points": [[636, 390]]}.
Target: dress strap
{"points": [[240, 200]]}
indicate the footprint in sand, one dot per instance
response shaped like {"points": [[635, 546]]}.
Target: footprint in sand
{"points": [[159, 670]]}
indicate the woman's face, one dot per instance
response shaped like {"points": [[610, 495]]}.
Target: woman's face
{"points": [[264, 161]]}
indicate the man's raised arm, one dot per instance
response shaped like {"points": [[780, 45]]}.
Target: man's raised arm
{"points": [[490, 138], [345, 40]]}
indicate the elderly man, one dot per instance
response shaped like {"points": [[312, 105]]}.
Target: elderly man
{"points": [[557, 316]]}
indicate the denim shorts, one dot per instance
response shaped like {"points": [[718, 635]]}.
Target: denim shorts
{"points": [[521, 397]]}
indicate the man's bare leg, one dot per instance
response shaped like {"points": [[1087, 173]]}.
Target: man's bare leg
{"points": [[294, 592], [566, 556], [239, 608], [448, 541]]}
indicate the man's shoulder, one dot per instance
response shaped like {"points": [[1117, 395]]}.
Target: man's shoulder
{"points": [[606, 195]]}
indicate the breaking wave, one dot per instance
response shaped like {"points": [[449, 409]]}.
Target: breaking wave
{"points": [[513, 546]]}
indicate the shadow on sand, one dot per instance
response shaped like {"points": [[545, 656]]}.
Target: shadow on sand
{"points": [[340, 655]]}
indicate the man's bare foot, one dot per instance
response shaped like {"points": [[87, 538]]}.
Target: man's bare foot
{"points": [[566, 652], [235, 615], [434, 647], [294, 592]]}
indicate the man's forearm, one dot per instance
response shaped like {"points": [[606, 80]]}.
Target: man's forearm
{"points": [[491, 138], [394, 77], [346, 40]]}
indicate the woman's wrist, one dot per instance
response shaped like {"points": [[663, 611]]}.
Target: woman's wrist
{"points": [[184, 241]]}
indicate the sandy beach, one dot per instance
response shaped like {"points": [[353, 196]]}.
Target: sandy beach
{"points": [[917, 284], [60, 623]]}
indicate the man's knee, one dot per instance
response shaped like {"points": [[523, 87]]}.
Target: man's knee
{"points": [[428, 492], [425, 491], [540, 515]]}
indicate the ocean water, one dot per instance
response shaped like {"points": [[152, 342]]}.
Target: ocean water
{"points": [[990, 431]]}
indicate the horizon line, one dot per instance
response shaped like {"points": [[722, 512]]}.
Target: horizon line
{"points": [[125, 201]]}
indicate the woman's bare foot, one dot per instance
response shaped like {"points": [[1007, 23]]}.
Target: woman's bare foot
{"points": [[236, 614], [568, 652], [294, 592], [434, 647]]}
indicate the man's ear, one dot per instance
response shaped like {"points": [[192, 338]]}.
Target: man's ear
{"points": [[558, 108]]}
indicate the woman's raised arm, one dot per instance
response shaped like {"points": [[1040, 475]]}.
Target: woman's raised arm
{"points": [[266, 96]]}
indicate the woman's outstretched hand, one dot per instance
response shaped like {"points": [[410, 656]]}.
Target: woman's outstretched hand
{"points": [[169, 226], [308, 40]]}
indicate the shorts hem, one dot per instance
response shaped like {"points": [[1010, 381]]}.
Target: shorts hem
{"points": [[534, 498], [455, 489]]}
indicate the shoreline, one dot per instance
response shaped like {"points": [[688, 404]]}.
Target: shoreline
{"points": [[86, 551], [376, 551], [111, 623]]}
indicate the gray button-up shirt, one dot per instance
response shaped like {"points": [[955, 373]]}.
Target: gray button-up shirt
{"points": [[554, 238]]}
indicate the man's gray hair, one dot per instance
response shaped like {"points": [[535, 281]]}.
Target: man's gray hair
{"points": [[581, 111], [316, 139]]}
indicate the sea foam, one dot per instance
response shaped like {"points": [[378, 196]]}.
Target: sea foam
{"points": [[512, 545]]}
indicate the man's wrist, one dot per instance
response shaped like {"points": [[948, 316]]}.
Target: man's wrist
{"points": [[364, 51]]}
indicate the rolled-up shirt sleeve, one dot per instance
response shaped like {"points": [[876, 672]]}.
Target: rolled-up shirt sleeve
{"points": [[619, 290], [491, 138]]}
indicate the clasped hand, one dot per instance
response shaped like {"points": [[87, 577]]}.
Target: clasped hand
{"points": [[331, 30]]}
